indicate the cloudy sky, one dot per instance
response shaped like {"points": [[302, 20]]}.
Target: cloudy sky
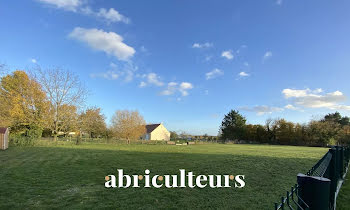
{"points": [[187, 63]]}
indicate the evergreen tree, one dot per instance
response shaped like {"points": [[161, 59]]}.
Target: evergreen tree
{"points": [[233, 126]]}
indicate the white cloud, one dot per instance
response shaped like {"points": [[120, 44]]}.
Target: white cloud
{"points": [[109, 42], [297, 93], [341, 107], [227, 54], [184, 86], [305, 98], [167, 92], [150, 79], [261, 110], [172, 84], [214, 73], [33, 60], [204, 45], [125, 72], [70, 5], [289, 93], [110, 75], [153, 78], [206, 92], [173, 87], [267, 55], [87, 11], [142, 84], [290, 106], [128, 75], [243, 74], [314, 99], [279, 2], [112, 15]]}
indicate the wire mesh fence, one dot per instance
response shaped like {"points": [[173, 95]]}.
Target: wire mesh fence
{"points": [[318, 189]]}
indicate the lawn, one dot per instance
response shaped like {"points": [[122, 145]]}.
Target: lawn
{"points": [[72, 176], [343, 200]]}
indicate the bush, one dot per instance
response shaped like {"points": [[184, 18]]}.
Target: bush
{"points": [[34, 132], [25, 136], [20, 140]]}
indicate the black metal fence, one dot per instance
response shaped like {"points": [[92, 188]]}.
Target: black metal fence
{"points": [[319, 188]]}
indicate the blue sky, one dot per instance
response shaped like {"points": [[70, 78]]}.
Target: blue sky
{"points": [[187, 63]]}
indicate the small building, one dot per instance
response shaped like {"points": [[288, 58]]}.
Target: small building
{"points": [[4, 138], [72, 133], [156, 132]]}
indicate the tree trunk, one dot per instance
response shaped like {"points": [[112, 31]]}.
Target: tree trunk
{"points": [[55, 133]]}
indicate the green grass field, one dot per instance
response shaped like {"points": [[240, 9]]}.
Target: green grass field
{"points": [[343, 200], [62, 176]]}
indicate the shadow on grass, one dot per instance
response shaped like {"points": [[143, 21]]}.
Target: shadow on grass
{"points": [[56, 177]]}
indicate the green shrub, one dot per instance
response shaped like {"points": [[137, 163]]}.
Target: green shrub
{"points": [[20, 140], [332, 141], [34, 132], [26, 136]]}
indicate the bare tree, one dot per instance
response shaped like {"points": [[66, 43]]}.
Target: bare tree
{"points": [[3, 70], [63, 90], [128, 125]]}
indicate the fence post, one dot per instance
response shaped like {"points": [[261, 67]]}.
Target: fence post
{"points": [[341, 161], [347, 149], [314, 191], [339, 166], [333, 175]]}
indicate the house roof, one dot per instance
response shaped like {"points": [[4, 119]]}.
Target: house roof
{"points": [[151, 127], [3, 130]]}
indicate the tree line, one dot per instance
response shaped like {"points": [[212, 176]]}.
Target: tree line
{"points": [[51, 103], [329, 130]]}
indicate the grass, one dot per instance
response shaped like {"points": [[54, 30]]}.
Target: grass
{"points": [[65, 175], [343, 200]]}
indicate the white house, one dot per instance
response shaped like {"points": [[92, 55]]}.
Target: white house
{"points": [[156, 132]]}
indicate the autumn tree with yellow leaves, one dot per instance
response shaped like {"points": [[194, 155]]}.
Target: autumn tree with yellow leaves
{"points": [[23, 103], [128, 125], [49, 100], [92, 121]]}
